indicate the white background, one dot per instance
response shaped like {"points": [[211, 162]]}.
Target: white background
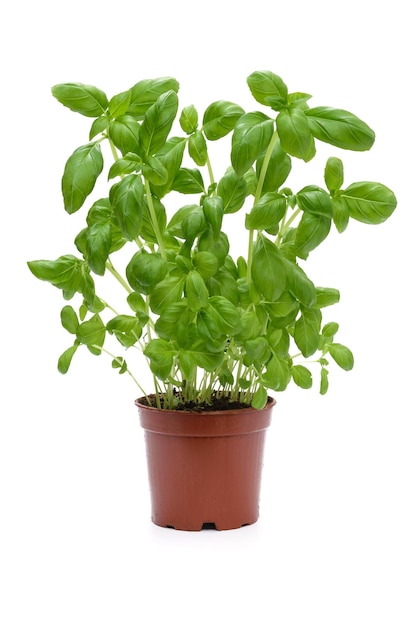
{"points": [[336, 541]]}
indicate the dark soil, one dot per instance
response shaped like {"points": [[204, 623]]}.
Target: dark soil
{"points": [[222, 403]]}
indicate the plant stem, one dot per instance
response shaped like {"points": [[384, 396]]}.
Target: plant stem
{"points": [[121, 362], [118, 277], [264, 168], [285, 226], [210, 171], [154, 219]]}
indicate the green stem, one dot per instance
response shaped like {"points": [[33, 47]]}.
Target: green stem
{"points": [[118, 277], [210, 171], [154, 219], [285, 226], [258, 195]]}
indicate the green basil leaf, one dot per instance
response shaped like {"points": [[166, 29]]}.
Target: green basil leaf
{"points": [[98, 246], [189, 119], [80, 175], [69, 319], [207, 359], [307, 331], [64, 273], [268, 269], [220, 118], [127, 165], [99, 126], [196, 291], [258, 350], [166, 292], [259, 398], [340, 128], [92, 333], [277, 375], [250, 139], [197, 148], [324, 381], [299, 285], [311, 231], [326, 296], [84, 99], [127, 198], [371, 203], [188, 181], [333, 174], [219, 246], [124, 132], [232, 188], [295, 135], [175, 322], [161, 357], [146, 92], [213, 208], [315, 200], [205, 263], [302, 376], [154, 170], [269, 89], [329, 330], [342, 355], [340, 214], [65, 359], [126, 328], [170, 155], [145, 270], [267, 213], [157, 122], [278, 169]]}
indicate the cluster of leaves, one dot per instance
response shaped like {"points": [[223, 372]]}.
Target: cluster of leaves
{"points": [[203, 320]]}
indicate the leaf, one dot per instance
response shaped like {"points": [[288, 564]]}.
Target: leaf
{"points": [[166, 292], [170, 156], [295, 135], [220, 118], [157, 122], [85, 99], [189, 119], [155, 171], [269, 89], [205, 263], [342, 355], [161, 357], [127, 199], [267, 213], [302, 376], [326, 296], [126, 328], [188, 181], [333, 174], [340, 214], [324, 381], [80, 175], [98, 246], [315, 200], [250, 139], [196, 291], [197, 148], [145, 270], [203, 357], [299, 285], [64, 273], [259, 398], [92, 333], [340, 128], [119, 103], [278, 169], [213, 208], [145, 93], [307, 331], [371, 203], [124, 132], [311, 231], [65, 359], [232, 188], [268, 269], [69, 319], [277, 375]]}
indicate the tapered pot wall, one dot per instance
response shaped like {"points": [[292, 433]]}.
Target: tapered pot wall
{"points": [[205, 468]]}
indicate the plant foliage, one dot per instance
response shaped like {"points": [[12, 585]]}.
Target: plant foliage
{"points": [[203, 320]]}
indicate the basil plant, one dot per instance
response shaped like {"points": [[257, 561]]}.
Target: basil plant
{"points": [[208, 325]]}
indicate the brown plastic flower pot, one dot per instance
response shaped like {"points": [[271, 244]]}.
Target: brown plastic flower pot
{"points": [[205, 468]]}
